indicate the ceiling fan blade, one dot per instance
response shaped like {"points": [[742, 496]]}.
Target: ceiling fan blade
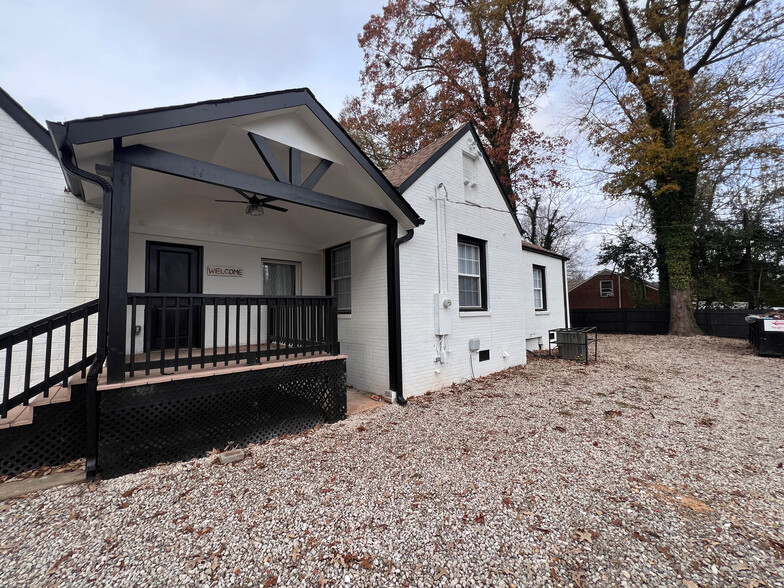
{"points": [[271, 207], [234, 201], [243, 194]]}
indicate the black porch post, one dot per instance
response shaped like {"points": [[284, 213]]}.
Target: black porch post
{"points": [[118, 273], [393, 313]]}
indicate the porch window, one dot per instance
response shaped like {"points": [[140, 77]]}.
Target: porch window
{"points": [[606, 288], [540, 292], [278, 279], [340, 276], [471, 273]]}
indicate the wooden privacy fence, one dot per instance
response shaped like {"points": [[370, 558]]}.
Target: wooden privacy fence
{"points": [[645, 321]]}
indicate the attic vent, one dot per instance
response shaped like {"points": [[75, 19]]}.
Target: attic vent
{"points": [[469, 170]]}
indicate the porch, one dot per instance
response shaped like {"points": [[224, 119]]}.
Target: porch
{"points": [[191, 284]]}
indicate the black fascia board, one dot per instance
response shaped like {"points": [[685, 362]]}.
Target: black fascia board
{"points": [[25, 120], [101, 128], [545, 252], [185, 167], [433, 158], [350, 145], [124, 124]]}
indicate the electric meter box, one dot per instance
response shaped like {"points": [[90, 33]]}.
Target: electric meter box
{"points": [[443, 313]]}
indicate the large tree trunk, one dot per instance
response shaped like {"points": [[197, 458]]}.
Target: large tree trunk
{"points": [[678, 246]]}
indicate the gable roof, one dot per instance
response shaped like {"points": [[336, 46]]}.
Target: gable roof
{"points": [[25, 120], [404, 173], [114, 126]]}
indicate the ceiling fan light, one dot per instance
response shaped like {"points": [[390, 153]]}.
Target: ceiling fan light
{"points": [[254, 210]]}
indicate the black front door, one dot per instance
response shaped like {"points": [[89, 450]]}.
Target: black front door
{"points": [[174, 269]]}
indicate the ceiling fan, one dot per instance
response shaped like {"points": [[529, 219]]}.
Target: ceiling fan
{"points": [[254, 206]]}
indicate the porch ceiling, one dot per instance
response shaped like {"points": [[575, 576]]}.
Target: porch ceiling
{"points": [[226, 143], [166, 205]]}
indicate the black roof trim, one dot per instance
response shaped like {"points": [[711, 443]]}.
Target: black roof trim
{"points": [[433, 158], [112, 126], [25, 120], [544, 251]]}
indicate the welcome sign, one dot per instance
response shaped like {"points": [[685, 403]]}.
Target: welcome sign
{"points": [[220, 271]]}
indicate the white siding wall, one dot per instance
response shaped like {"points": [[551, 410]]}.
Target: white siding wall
{"points": [[539, 322], [477, 212], [364, 334], [49, 246]]}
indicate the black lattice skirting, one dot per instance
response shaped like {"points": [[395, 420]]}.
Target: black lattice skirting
{"points": [[56, 436], [182, 419]]}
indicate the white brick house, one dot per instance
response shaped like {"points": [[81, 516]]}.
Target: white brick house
{"points": [[468, 252], [326, 274]]}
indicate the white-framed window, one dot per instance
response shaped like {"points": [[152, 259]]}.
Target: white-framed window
{"points": [[471, 273], [606, 288], [278, 278], [469, 170], [540, 291], [340, 276]]}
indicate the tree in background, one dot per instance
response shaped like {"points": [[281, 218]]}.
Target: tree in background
{"points": [[675, 84], [433, 65], [632, 258]]}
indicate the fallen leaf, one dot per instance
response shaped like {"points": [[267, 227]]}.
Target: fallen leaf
{"points": [[690, 584], [271, 581], [56, 564], [559, 428], [740, 567]]}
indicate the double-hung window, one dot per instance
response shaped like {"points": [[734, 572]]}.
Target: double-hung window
{"points": [[471, 273], [540, 290], [339, 265], [606, 288]]}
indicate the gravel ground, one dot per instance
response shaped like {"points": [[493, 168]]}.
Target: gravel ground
{"points": [[658, 465]]}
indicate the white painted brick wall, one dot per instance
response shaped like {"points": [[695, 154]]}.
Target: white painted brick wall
{"points": [[501, 328], [363, 334], [49, 240], [538, 323]]}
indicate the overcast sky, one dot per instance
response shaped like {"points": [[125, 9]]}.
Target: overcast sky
{"points": [[70, 59]]}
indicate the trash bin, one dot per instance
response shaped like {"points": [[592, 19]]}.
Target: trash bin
{"points": [[574, 343], [766, 333]]}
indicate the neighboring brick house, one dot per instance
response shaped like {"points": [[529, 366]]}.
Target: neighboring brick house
{"points": [[607, 289]]}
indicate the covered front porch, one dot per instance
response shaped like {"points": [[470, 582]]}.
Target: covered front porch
{"points": [[238, 236]]}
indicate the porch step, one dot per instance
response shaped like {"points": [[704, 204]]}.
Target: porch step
{"points": [[57, 394], [18, 416], [23, 415]]}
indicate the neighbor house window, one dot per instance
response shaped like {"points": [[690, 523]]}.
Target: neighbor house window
{"points": [[339, 279], [471, 273], [606, 288], [278, 278], [540, 291]]}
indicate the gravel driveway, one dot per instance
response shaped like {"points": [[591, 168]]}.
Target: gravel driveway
{"points": [[659, 465]]}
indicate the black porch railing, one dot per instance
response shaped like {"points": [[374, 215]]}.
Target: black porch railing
{"points": [[39, 356], [200, 330]]}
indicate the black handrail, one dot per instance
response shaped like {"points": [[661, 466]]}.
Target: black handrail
{"points": [[183, 330], [14, 396]]}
